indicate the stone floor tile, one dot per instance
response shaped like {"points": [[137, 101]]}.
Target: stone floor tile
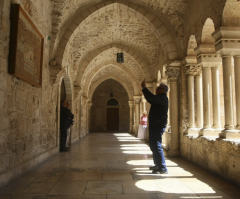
{"points": [[133, 196], [117, 175], [83, 175], [76, 187], [89, 196], [102, 166], [39, 187], [104, 187]]}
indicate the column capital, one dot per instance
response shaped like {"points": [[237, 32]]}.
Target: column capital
{"points": [[131, 102], [137, 99], [227, 40], [209, 60], [173, 73], [192, 69]]}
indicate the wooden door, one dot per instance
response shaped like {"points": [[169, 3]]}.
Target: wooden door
{"points": [[112, 119]]}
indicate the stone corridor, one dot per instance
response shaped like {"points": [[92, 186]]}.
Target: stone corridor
{"points": [[115, 166]]}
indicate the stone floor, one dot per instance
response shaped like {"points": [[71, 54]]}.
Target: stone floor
{"points": [[115, 166]]}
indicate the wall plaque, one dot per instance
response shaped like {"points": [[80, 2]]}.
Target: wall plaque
{"points": [[26, 48]]}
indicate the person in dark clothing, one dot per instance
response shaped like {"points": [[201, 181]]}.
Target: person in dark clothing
{"points": [[158, 116], [66, 120]]}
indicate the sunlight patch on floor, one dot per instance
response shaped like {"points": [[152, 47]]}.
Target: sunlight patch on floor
{"points": [[173, 185]]}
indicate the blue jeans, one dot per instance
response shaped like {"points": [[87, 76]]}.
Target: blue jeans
{"points": [[155, 142]]}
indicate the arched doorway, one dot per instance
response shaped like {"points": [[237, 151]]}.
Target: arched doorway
{"points": [[109, 100], [112, 115], [63, 97], [64, 94]]}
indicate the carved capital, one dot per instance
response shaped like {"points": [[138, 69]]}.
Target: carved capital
{"points": [[173, 73], [209, 60], [192, 69], [131, 103], [137, 99]]}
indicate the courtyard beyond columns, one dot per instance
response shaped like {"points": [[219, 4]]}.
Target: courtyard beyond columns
{"points": [[115, 166]]}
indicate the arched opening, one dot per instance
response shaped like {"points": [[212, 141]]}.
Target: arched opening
{"points": [[65, 96], [110, 109], [112, 115]]}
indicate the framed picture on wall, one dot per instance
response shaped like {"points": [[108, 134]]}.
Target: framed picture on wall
{"points": [[26, 48]]}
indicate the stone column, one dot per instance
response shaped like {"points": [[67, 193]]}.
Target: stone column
{"points": [[227, 43], [131, 103], [228, 92], [150, 87], [83, 115], [237, 87], [137, 112], [173, 71], [207, 97], [192, 70], [216, 97], [89, 105], [199, 100], [209, 61]]}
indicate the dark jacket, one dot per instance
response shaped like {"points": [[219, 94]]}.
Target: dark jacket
{"points": [[66, 118], [158, 113]]}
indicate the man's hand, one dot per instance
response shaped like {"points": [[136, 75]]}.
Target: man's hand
{"points": [[143, 84]]}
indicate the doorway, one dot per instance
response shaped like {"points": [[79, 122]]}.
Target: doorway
{"points": [[112, 115]]}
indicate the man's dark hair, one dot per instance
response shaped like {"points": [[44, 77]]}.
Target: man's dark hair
{"points": [[164, 87]]}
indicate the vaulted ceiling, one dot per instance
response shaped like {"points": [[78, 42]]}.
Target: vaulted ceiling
{"points": [[87, 34]]}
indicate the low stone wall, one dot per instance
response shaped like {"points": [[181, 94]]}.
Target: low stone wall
{"points": [[220, 156]]}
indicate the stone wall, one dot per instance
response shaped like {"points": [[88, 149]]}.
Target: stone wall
{"points": [[99, 106], [29, 116], [220, 156]]}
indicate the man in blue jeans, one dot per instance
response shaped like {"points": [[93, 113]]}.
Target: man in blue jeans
{"points": [[157, 124]]}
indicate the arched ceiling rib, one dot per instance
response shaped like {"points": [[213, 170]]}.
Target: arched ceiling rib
{"points": [[94, 86], [167, 42], [107, 57], [112, 71], [133, 58]]}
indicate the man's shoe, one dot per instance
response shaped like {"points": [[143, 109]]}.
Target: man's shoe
{"points": [[161, 171], [153, 167]]}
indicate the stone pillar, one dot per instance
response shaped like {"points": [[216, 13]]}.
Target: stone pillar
{"points": [[83, 115], [207, 97], [137, 112], [173, 71], [210, 61], [144, 104], [199, 100], [150, 87], [131, 103], [216, 97], [228, 92], [89, 105], [237, 87], [192, 70], [227, 43]]}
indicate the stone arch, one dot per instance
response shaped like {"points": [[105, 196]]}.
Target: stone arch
{"points": [[116, 73], [136, 54], [207, 30], [89, 75], [167, 40], [231, 13], [128, 88], [192, 45]]}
